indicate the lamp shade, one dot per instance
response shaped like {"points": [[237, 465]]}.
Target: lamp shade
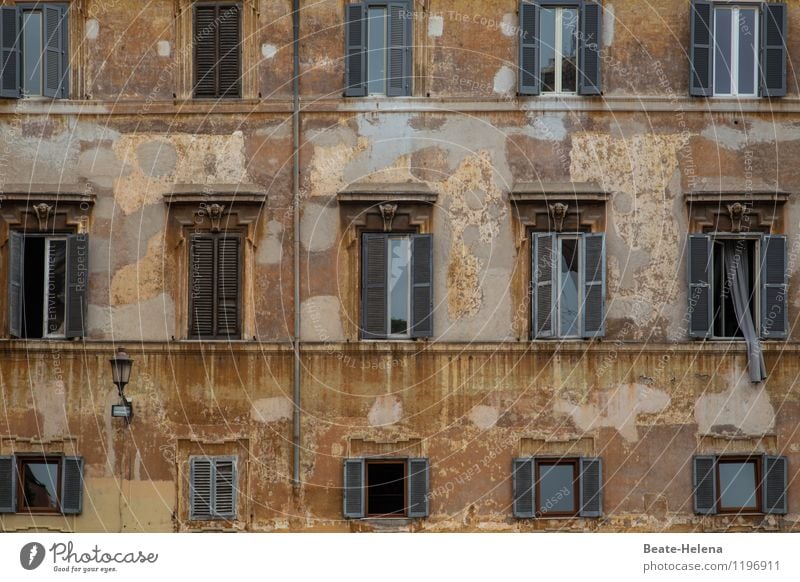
{"points": [[121, 365]]}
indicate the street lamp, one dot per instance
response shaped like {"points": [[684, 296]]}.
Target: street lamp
{"points": [[121, 365]]}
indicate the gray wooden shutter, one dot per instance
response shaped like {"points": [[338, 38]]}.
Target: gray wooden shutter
{"points": [[77, 284], [422, 285], [205, 47], [773, 49], [594, 285], [354, 485], [591, 487], [705, 484], [201, 285], [699, 272], [230, 51], [8, 484], [399, 50], [774, 287], [524, 498], [72, 485], [775, 484], [200, 488], [54, 19], [701, 50], [228, 292], [589, 70], [224, 487], [418, 486], [374, 273], [544, 277], [16, 243], [529, 48], [10, 62], [356, 50]]}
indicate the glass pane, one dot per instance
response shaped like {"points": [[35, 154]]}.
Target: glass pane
{"points": [[56, 287], [568, 300], [569, 50], [722, 51], [547, 48], [747, 51], [39, 485], [376, 50], [399, 284], [556, 488], [32, 52], [737, 485]]}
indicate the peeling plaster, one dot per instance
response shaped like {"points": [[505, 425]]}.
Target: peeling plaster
{"points": [[142, 280], [435, 25], [150, 320], [743, 409], [484, 417], [509, 24], [321, 319], [319, 227], [504, 80], [270, 251], [275, 409], [92, 29], [386, 410], [608, 24], [268, 50], [325, 175], [49, 401], [164, 48]]}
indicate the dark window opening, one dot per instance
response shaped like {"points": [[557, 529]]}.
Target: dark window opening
{"points": [[44, 287], [39, 484], [557, 487], [738, 484], [726, 252], [386, 488]]}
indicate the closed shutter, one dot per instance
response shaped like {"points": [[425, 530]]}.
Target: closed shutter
{"points": [[230, 52], [418, 486], [399, 65], [353, 498], [774, 287], [373, 286], [72, 485], [775, 484], [224, 495], [523, 504], [77, 282], [8, 484], [589, 60], [200, 487], [10, 63], [529, 48], [16, 243], [594, 285], [422, 285], [699, 272], [53, 57], [544, 276], [773, 50], [356, 49], [705, 486], [201, 285], [228, 295], [205, 51], [701, 49], [591, 486]]}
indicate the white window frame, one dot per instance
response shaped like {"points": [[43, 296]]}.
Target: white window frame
{"points": [[756, 291], [407, 240], [47, 241], [576, 236], [559, 44], [734, 64]]}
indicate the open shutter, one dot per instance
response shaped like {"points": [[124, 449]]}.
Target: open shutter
{"points": [[205, 46], [699, 268], [775, 483], [422, 285], [701, 50], [78, 265], [594, 285], [201, 285], [529, 48], [8, 484], [72, 485], [356, 50], [16, 242], [10, 63], [523, 488], [705, 486], [230, 51], [200, 487], [418, 483], [591, 487], [224, 497], [589, 60], [373, 286], [353, 499], [774, 287], [773, 49], [55, 17], [228, 295], [399, 53], [544, 276]]}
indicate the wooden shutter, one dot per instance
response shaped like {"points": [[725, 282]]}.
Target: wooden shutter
{"points": [[418, 486], [228, 292], [10, 62], [200, 487], [77, 283], [54, 51], [201, 285], [699, 272], [8, 484], [353, 498], [701, 49], [205, 46], [16, 244], [422, 285], [356, 50], [705, 484], [230, 51], [399, 49], [591, 487], [775, 484], [373, 285], [72, 485], [529, 83], [594, 285], [774, 287], [773, 49], [224, 487], [523, 504], [589, 59], [544, 276]]}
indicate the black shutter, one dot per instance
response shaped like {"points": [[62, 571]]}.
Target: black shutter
{"points": [[205, 51], [775, 484], [72, 485], [228, 291], [399, 50], [8, 484], [418, 484], [705, 486], [773, 49], [422, 285], [591, 486], [589, 60], [353, 484], [529, 48], [373, 286], [699, 269], [201, 285], [701, 50], [230, 51], [543, 278], [594, 285], [523, 488], [16, 243], [10, 62], [774, 287], [356, 50], [54, 51], [200, 488], [77, 284]]}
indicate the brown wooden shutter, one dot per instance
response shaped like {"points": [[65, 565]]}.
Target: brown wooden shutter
{"points": [[8, 484], [201, 285], [374, 273], [205, 50], [230, 52], [228, 292]]}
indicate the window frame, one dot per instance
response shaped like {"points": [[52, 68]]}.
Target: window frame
{"points": [[386, 461], [733, 69], [66, 61], [574, 462], [219, 5], [755, 291], [560, 237], [756, 460], [24, 459], [406, 237], [558, 38], [214, 514]]}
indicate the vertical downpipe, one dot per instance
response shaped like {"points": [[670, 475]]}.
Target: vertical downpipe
{"points": [[296, 230]]}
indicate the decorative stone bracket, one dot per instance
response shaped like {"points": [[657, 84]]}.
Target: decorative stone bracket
{"points": [[213, 207], [736, 212], [47, 207]]}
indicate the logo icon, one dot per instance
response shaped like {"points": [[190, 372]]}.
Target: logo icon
{"points": [[31, 555]]}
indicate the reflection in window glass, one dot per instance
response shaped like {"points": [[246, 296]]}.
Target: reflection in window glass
{"points": [[39, 485], [547, 49], [55, 286], [32, 52], [569, 288], [376, 50], [569, 50], [556, 488], [723, 51], [399, 285], [737, 485], [747, 52], [735, 51], [558, 50]]}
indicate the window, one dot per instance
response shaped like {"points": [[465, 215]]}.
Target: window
{"points": [[378, 59], [41, 484], [397, 276], [557, 487], [738, 49], [215, 285], [47, 285], [34, 50], [559, 47], [568, 285], [386, 488], [212, 487], [740, 484], [217, 50]]}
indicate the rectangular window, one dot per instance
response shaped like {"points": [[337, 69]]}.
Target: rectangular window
{"points": [[212, 487], [735, 264], [383, 488], [39, 481], [740, 484], [215, 281], [736, 44], [559, 50], [217, 42], [557, 487], [35, 483], [386, 488], [377, 28]]}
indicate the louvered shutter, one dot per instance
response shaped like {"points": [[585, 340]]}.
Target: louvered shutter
{"points": [[205, 51], [418, 487], [201, 285], [373, 286], [353, 498], [589, 61], [544, 277], [77, 283], [16, 242], [775, 484], [594, 285], [523, 504], [774, 287], [8, 484], [200, 487], [773, 50], [356, 48], [399, 50], [529, 48], [705, 486], [10, 62], [228, 295], [72, 485], [699, 272], [54, 51], [591, 487], [422, 285], [701, 50], [224, 496], [230, 51]]}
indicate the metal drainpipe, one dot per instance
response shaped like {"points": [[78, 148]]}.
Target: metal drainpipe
{"points": [[296, 227]]}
